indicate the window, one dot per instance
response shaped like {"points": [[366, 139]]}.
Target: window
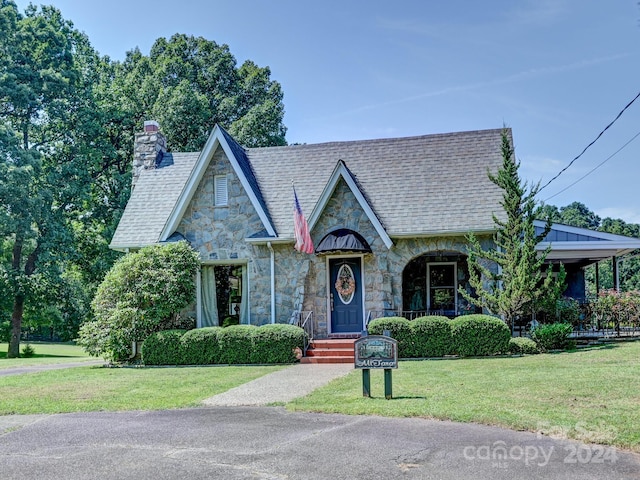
{"points": [[220, 192], [442, 291]]}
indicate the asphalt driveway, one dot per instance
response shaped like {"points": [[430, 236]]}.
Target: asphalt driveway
{"points": [[271, 443]]}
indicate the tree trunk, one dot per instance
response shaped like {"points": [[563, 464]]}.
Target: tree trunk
{"points": [[16, 327]]}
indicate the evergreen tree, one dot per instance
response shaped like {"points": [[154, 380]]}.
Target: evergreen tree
{"points": [[518, 283]]}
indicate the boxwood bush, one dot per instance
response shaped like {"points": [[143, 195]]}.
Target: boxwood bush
{"points": [[523, 345], [201, 346], [431, 336], [400, 329], [553, 336], [163, 348], [238, 344], [479, 335], [276, 343]]}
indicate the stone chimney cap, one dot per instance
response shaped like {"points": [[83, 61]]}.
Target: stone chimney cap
{"points": [[151, 126]]}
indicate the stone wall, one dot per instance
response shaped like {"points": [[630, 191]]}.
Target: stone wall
{"points": [[218, 234]]}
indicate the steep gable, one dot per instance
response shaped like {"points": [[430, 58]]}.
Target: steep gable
{"points": [[342, 174], [241, 165]]}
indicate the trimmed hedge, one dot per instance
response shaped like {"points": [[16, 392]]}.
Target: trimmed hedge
{"points": [[431, 336], [163, 348], [479, 335], [237, 344], [201, 346], [523, 345], [400, 329], [276, 343]]}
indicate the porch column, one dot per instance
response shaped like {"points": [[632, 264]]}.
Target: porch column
{"points": [[616, 276]]}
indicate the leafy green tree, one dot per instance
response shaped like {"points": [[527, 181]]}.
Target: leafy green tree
{"points": [[517, 285], [46, 155], [577, 214], [143, 293], [190, 83]]}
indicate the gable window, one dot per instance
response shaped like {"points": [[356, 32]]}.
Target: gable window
{"points": [[220, 191]]}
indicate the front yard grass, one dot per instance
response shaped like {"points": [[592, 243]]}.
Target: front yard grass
{"points": [[589, 395], [85, 389], [46, 353]]}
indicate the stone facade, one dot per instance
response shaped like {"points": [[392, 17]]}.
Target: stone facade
{"points": [[219, 233]]}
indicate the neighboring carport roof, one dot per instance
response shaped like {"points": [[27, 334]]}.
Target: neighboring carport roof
{"points": [[583, 246]]}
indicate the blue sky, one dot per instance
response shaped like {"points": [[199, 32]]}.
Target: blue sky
{"points": [[555, 71]]}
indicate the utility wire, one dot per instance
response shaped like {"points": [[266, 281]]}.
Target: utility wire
{"points": [[594, 141], [594, 168]]}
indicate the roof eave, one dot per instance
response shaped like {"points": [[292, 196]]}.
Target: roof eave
{"points": [[441, 233]]}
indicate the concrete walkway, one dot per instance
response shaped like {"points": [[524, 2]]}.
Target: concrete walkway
{"points": [[41, 368], [281, 386]]}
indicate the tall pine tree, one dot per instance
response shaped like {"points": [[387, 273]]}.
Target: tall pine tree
{"points": [[518, 283]]}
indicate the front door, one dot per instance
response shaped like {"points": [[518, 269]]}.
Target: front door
{"points": [[346, 295]]}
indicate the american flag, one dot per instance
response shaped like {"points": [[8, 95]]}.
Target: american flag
{"points": [[303, 239]]}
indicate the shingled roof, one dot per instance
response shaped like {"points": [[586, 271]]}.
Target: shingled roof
{"points": [[155, 195], [417, 186], [426, 185]]}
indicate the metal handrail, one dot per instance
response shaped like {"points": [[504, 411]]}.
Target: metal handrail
{"points": [[308, 326]]}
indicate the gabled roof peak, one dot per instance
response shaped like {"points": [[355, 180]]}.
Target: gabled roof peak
{"points": [[341, 171]]}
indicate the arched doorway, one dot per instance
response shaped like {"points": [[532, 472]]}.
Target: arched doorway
{"points": [[430, 284]]}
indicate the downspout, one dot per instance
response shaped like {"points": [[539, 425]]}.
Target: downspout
{"points": [[199, 297], [273, 282]]}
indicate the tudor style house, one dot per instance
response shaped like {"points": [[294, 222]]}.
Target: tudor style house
{"points": [[388, 219]]}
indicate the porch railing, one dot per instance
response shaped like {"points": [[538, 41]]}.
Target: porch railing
{"points": [[305, 321], [408, 314]]}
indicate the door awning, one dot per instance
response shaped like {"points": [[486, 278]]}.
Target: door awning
{"points": [[343, 240]]}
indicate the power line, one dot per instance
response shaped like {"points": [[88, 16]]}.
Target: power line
{"points": [[594, 141], [594, 168]]}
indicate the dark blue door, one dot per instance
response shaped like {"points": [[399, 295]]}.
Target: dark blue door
{"points": [[346, 295]]}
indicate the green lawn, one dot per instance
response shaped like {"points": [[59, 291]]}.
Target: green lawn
{"points": [[589, 395], [46, 353], [94, 388], [592, 395]]}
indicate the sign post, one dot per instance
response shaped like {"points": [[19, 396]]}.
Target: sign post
{"points": [[376, 351]]}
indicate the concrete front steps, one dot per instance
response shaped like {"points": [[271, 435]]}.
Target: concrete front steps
{"points": [[330, 350]]}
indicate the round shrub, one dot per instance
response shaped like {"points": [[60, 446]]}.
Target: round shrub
{"points": [[236, 343], [523, 345], [276, 343], [431, 336], [163, 348], [400, 330], [553, 336], [479, 335], [201, 346], [142, 293]]}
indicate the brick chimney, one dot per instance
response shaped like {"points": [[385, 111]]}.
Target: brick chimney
{"points": [[149, 146]]}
